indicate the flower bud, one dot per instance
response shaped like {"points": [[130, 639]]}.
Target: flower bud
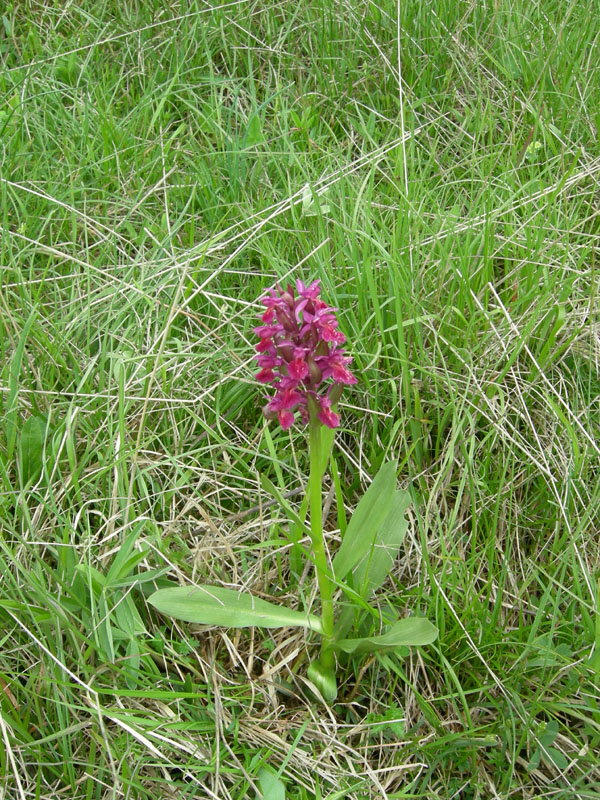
{"points": [[268, 414], [286, 351], [288, 323], [322, 349], [335, 393], [314, 371]]}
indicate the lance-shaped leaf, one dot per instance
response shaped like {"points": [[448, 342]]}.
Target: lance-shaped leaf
{"points": [[373, 569], [366, 521], [216, 605], [410, 632]]}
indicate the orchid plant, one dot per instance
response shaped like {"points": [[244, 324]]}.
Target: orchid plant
{"points": [[300, 355]]}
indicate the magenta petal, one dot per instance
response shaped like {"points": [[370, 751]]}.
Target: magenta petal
{"points": [[299, 307], [310, 292], [265, 331], [328, 418], [298, 369], [285, 399], [290, 398], [330, 334], [272, 300], [268, 361], [342, 375], [266, 375], [286, 419], [264, 344]]}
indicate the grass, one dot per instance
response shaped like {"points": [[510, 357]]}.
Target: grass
{"points": [[160, 166]]}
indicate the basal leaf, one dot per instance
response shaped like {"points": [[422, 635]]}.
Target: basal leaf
{"points": [[254, 134], [371, 572], [366, 521], [216, 605], [373, 569], [410, 632], [270, 786]]}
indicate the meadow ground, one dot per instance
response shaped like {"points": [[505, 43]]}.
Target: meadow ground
{"points": [[436, 166]]}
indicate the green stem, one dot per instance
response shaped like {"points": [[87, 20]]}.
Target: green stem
{"points": [[318, 543]]}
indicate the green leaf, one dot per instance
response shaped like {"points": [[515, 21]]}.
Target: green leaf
{"points": [[410, 632], [534, 761], [324, 679], [549, 733], [271, 787], [96, 578], [366, 521], [140, 578], [311, 204], [31, 446], [215, 605], [327, 439], [373, 570], [556, 757]]}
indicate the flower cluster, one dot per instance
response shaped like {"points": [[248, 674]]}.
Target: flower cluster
{"points": [[299, 350]]}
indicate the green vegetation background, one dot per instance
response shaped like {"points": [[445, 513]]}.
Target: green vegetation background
{"points": [[436, 165]]}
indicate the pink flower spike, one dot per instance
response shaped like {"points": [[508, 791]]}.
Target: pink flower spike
{"points": [[300, 355]]}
